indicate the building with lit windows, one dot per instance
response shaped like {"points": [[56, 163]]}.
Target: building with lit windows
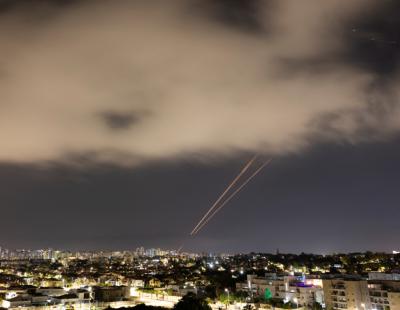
{"points": [[346, 294], [288, 288], [384, 295]]}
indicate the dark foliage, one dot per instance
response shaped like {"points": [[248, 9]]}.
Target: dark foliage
{"points": [[191, 302]]}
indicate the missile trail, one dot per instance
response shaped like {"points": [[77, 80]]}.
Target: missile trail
{"points": [[231, 196], [244, 169], [180, 248]]}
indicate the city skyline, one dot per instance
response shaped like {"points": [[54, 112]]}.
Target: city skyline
{"points": [[47, 253]]}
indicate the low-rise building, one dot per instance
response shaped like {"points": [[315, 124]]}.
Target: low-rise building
{"points": [[18, 301], [374, 276], [51, 291], [181, 290]]}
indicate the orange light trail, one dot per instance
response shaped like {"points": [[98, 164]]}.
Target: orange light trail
{"points": [[231, 196], [245, 168]]}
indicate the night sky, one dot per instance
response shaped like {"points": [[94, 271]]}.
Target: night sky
{"points": [[122, 121]]}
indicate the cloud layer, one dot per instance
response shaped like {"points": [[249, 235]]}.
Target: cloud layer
{"points": [[126, 82]]}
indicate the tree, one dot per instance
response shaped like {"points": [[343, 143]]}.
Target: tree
{"points": [[210, 291], [224, 298], [316, 306], [191, 302]]}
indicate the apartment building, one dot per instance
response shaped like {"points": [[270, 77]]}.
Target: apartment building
{"points": [[287, 288]]}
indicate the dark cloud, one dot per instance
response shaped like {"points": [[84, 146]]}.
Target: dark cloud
{"points": [[374, 39], [372, 44], [118, 120], [11, 4], [239, 15]]}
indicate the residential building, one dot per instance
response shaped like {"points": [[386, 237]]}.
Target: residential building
{"points": [[342, 294], [287, 288]]}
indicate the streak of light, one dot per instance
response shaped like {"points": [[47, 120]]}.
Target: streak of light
{"points": [[244, 169], [180, 248], [231, 196]]}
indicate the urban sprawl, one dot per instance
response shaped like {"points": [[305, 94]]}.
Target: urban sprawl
{"points": [[88, 280]]}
